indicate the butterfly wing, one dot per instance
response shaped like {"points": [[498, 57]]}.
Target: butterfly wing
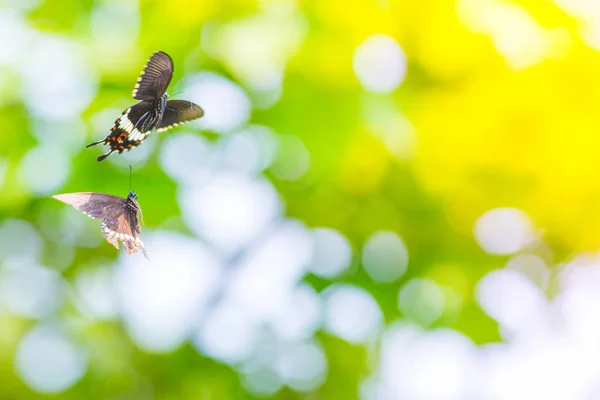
{"points": [[178, 112], [155, 77], [130, 129], [94, 205], [119, 222], [122, 224]]}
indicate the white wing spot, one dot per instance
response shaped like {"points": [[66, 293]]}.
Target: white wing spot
{"points": [[126, 124], [87, 214], [137, 135], [170, 126]]}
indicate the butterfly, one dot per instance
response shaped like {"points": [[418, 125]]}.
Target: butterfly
{"points": [[119, 216], [154, 111]]}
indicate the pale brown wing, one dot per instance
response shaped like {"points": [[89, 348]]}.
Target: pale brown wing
{"points": [[123, 225], [119, 217], [94, 205]]}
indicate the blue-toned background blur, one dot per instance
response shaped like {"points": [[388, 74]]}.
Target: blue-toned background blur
{"points": [[385, 200]]}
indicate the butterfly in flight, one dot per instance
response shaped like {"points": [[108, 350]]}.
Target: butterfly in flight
{"points": [[154, 111], [119, 216]]}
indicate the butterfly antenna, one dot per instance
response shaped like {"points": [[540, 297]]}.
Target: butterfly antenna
{"points": [[130, 171], [179, 81], [186, 95]]}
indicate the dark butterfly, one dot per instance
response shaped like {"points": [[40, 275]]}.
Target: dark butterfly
{"points": [[154, 111], [119, 216]]}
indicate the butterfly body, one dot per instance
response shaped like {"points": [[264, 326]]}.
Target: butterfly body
{"points": [[119, 216], [154, 111]]}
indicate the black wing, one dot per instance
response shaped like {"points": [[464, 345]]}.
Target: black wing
{"points": [[155, 77], [129, 129], [139, 112], [178, 112], [143, 117]]}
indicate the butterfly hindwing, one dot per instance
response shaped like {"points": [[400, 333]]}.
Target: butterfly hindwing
{"points": [[123, 224], [178, 112], [129, 129], [155, 77], [139, 112]]}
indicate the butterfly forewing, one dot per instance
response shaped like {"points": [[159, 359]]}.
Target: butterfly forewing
{"points": [[94, 205], [178, 112], [155, 77]]}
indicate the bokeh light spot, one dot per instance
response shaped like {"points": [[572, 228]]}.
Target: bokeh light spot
{"points": [[186, 157], [230, 210], [351, 313], [515, 33], [293, 159], [302, 366], [503, 230], [57, 90], [269, 271], [422, 300], [96, 289], [510, 298], [19, 241], [226, 106], [55, 172], [13, 25], [114, 27], [30, 290], [410, 359], [48, 362], [262, 382], [256, 48], [249, 150], [229, 335], [64, 134], [332, 253], [380, 64], [385, 256], [300, 315]]}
